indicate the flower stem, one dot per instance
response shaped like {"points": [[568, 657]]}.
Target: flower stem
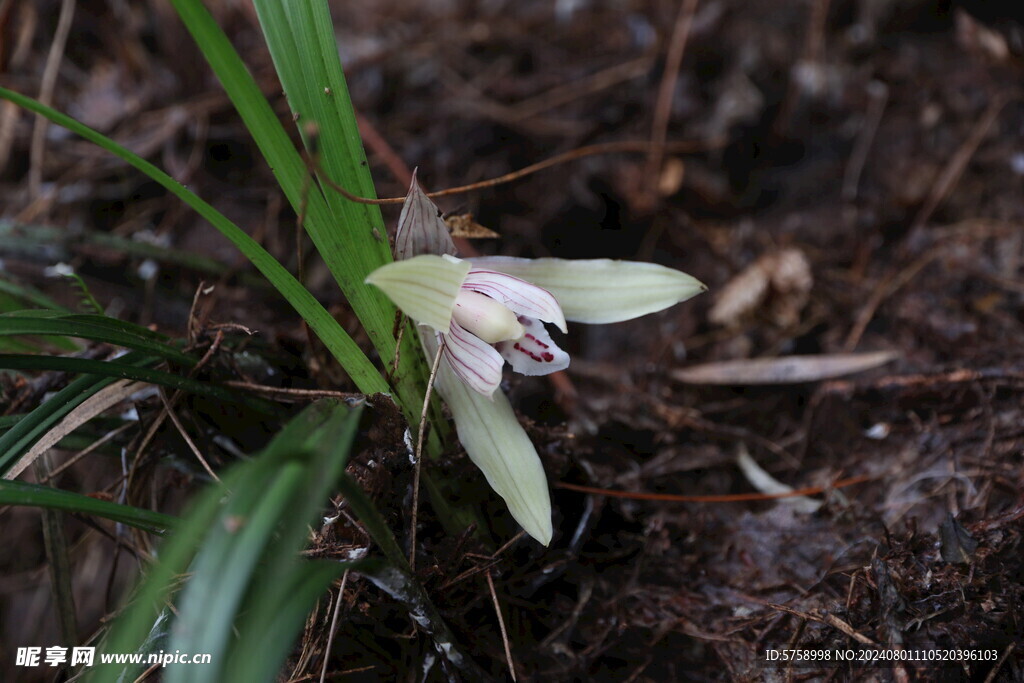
{"points": [[419, 456]]}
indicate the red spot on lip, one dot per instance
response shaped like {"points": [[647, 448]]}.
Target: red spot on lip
{"points": [[538, 342], [545, 357]]}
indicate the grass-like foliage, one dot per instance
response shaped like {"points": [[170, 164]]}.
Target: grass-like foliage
{"points": [[350, 237], [341, 345], [247, 592]]}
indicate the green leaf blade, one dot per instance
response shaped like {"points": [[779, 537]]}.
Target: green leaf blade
{"points": [[35, 495]]}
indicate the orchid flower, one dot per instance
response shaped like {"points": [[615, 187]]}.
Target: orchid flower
{"points": [[482, 312], [484, 317]]}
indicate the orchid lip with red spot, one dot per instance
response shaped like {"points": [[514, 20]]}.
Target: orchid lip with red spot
{"points": [[500, 318], [534, 353], [484, 317]]}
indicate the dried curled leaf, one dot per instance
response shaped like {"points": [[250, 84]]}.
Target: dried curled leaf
{"points": [[463, 225], [740, 296], [780, 281]]}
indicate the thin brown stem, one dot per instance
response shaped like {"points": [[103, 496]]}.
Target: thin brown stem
{"points": [[419, 456], [725, 498], [38, 148], [334, 627], [663, 106], [622, 146], [188, 440], [501, 625]]}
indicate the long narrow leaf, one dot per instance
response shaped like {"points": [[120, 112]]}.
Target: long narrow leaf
{"points": [[346, 238], [113, 368], [349, 237], [22, 493], [30, 295], [260, 557], [135, 625], [278, 617], [94, 327], [224, 567], [20, 437], [279, 602], [339, 149], [326, 327]]}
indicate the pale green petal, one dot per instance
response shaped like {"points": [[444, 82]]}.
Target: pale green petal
{"points": [[424, 287], [497, 444], [601, 290]]}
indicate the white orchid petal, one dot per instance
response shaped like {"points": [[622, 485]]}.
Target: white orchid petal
{"points": [[535, 353], [424, 287], [497, 444], [518, 295], [473, 360], [600, 290]]}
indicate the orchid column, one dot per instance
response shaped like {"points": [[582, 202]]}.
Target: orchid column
{"points": [[485, 311]]}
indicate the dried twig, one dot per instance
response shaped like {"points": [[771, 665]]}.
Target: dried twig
{"points": [[296, 394], [1003, 376], [1002, 660], [501, 625], [829, 619], [419, 455], [724, 498], [334, 627], [184, 434], [38, 149], [878, 92], [804, 76], [958, 162], [567, 92], [622, 146], [86, 451], [507, 545], [883, 291], [16, 55], [663, 105]]}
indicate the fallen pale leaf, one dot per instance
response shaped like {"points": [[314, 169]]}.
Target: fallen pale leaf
{"points": [[766, 483], [783, 370], [102, 400]]}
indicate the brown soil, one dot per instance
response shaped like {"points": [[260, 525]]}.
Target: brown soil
{"points": [[875, 145]]}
